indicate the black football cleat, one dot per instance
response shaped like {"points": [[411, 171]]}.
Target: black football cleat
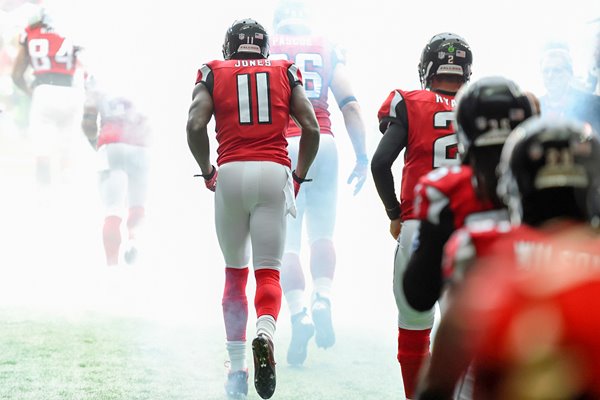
{"points": [[264, 366], [302, 330], [131, 255]]}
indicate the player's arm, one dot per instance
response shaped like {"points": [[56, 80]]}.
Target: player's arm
{"points": [[89, 123], [423, 278], [19, 68], [199, 115], [355, 126], [391, 144], [304, 115]]}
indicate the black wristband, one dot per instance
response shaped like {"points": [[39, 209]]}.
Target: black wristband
{"points": [[208, 177], [393, 213], [298, 179]]}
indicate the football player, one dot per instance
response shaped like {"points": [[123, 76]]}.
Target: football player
{"points": [[486, 112], [548, 177], [323, 69], [56, 103], [252, 98], [122, 146], [421, 122]]}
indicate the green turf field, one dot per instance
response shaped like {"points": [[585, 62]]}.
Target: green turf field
{"points": [[90, 355]]}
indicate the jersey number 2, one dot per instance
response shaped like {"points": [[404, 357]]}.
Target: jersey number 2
{"points": [[445, 148], [246, 98]]}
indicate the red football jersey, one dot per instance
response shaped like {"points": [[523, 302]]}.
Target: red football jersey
{"points": [[521, 247], [432, 142], [448, 188], [532, 330], [317, 59], [49, 52], [251, 107], [121, 122], [533, 287]]}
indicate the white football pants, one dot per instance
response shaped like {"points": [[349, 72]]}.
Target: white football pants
{"points": [[408, 318], [252, 200], [317, 200], [123, 177], [54, 119]]}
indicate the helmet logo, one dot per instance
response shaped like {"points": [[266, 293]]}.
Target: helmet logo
{"points": [[451, 49], [560, 170], [441, 55]]}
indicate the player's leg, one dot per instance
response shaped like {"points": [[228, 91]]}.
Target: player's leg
{"points": [[137, 174], [68, 111], [42, 133], [267, 232], [414, 328], [320, 222], [113, 190], [233, 233], [293, 282]]}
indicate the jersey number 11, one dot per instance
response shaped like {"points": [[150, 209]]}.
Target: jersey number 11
{"points": [[246, 98]]}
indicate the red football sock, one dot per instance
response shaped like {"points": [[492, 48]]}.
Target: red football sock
{"points": [[268, 292], [235, 303], [322, 259], [111, 235], [292, 276], [413, 350]]}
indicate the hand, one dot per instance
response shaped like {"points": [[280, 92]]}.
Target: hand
{"points": [[359, 174], [395, 228], [94, 143], [211, 179], [297, 182]]}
